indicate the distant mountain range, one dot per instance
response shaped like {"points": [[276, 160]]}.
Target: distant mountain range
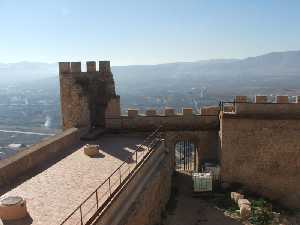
{"points": [[272, 73], [272, 64]]}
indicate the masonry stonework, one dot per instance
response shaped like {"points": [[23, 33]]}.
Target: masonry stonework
{"points": [[262, 154], [85, 95]]}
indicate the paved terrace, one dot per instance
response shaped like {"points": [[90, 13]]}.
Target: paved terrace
{"points": [[55, 192]]}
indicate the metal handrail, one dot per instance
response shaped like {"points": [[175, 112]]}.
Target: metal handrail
{"points": [[150, 142]]}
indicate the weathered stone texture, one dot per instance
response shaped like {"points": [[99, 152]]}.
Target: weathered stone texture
{"points": [[282, 99], [261, 99], [187, 111], [151, 203], [134, 121], [85, 95], [264, 155], [74, 103], [267, 108]]}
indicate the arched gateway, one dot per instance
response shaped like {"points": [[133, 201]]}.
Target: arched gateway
{"points": [[186, 156]]}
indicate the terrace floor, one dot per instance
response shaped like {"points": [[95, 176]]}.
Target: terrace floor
{"points": [[56, 191]]}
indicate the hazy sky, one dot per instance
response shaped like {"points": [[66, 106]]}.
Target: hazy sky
{"points": [[145, 31]]}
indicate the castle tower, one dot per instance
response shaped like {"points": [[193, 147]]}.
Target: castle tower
{"points": [[85, 95]]}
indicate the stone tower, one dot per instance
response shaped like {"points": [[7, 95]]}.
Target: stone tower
{"points": [[85, 96]]}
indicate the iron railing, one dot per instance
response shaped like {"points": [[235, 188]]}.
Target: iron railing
{"points": [[99, 199]]}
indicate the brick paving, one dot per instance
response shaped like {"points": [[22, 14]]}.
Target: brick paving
{"points": [[55, 192]]}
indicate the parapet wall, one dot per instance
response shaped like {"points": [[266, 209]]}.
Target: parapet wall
{"points": [[24, 161], [169, 120], [262, 105]]}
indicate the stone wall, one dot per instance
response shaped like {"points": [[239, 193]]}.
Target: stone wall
{"points": [[24, 161], [263, 154], [143, 199], [288, 105], [169, 120]]}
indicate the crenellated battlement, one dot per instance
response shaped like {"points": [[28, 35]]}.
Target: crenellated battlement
{"points": [[282, 99], [261, 104], [85, 95], [75, 67], [168, 118], [204, 111]]}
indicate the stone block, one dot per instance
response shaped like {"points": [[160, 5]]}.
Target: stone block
{"points": [[282, 99], [169, 112], [261, 99], [13, 208], [64, 67], [91, 66], [245, 211], [75, 67], [243, 201], [235, 196], [241, 98], [187, 111], [91, 150], [104, 66], [151, 112], [133, 113]]}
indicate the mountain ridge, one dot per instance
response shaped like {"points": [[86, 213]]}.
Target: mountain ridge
{"points": [[273, 63]]}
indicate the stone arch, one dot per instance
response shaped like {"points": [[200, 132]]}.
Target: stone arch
{"points": [[205, 142], [186, 155]]}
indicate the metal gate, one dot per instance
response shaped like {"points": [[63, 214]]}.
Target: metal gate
{"points": [[185, 156]]}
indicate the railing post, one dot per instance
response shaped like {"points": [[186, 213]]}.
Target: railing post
{"points": [[109, 187], [80, 210], [97, 198], [136, 158], [120, 175], [128, 167]]}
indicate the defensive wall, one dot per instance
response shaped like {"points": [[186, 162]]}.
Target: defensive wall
{"points": [[25, 161], [201, 128], [260, 147], [257, 143]]}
